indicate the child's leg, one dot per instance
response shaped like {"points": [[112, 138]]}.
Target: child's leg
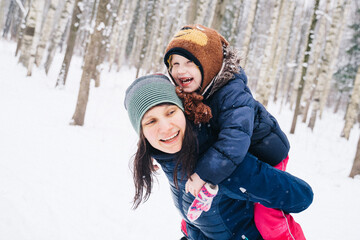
{"points": [[274, 224]]}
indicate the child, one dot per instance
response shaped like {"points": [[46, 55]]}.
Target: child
{"points": [[214, 91]]}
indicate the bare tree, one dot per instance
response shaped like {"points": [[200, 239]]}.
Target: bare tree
{"points": [[114, 38], [55, 39], [264, 85], [46, 31], [287, 12], [303, 66], [75, 23], [90, 61], [314, 61], [201, 11], [353, 107], [124, 35], [218, 14], [355, 170], [330, 54], [247, 33], [31, 35]]}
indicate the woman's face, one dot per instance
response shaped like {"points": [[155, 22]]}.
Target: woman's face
{"points": [[185, 73], [164, 127]]}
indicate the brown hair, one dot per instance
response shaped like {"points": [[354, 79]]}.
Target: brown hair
{"points": [[144, 171]]}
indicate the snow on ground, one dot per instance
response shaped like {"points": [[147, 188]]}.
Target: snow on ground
{"points": [[63, 182]]}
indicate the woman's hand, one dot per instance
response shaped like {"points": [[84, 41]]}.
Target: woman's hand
{"points": [[194, 184]]}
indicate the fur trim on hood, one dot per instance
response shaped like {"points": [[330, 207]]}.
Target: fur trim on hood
{"points": [[229, 67]]}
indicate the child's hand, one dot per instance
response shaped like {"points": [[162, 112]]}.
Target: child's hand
{"points": [[194, 184]]}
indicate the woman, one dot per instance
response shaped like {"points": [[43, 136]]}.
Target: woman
{"points": [[156, 114]]}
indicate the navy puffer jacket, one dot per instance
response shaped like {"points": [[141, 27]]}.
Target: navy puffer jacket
{"points": [[240, 124], [231, 215]]}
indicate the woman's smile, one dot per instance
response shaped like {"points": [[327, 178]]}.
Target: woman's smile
{"points": [[164, 127], [171, 139]]}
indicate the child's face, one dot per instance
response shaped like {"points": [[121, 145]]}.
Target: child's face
{"points": [[185, 73], [164, 127]]}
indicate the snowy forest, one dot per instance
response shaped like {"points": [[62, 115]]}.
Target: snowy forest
{"points": [[302, 54]]}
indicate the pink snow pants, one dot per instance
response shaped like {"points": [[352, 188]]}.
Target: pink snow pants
{"points": [[274, 224]]}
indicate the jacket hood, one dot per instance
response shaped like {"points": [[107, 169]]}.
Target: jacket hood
{"points": [[229, 68]]}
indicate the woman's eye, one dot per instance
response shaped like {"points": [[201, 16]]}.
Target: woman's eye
{"points": [[149, 122], [171, 112]]}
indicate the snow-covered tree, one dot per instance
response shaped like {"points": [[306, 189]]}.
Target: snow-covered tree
{"points": [[56, 38], [264, 85], [74, 26], [330, 53], [90, 64], [353, 108], [302, 68], [46, 31], [355, 170]]}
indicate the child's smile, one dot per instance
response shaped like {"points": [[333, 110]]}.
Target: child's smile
{"points": [[185, 73]]}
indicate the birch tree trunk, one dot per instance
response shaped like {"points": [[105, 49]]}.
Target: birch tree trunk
{"points": [[234, 30], [201, 11], [343, 8], [355, 170], [326, 70], [314, 63], [105, 28], [29, 33], [264, 85], [158, 65], [55, 40], [40, 7], [90, 61], [9, 16], [75, 23], [124, 33], [46, 31], [218, 14], [191, 11], [247, 33], [353, 108], [287, 12], [115, 35], [154, 55], [2, 11], [181, 20], [300, 86]]}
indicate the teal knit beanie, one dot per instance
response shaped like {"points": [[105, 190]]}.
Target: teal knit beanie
{"points": [[146, 92]]}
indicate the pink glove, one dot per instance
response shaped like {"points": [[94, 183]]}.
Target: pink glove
{"points": [[202, 201]]}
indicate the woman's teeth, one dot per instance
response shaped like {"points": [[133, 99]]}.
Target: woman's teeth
{"points": [[170, 138]]}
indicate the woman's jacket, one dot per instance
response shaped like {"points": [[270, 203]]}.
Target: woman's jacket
{"points": [[231, 215]]}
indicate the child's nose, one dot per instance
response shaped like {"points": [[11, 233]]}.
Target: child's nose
{"points": [[181, 70]]}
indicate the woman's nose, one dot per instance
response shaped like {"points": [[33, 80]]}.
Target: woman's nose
{"points": [[164, 125]]}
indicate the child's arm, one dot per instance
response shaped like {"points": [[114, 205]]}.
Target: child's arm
{"points": [[194, 184], [233, 112]]}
